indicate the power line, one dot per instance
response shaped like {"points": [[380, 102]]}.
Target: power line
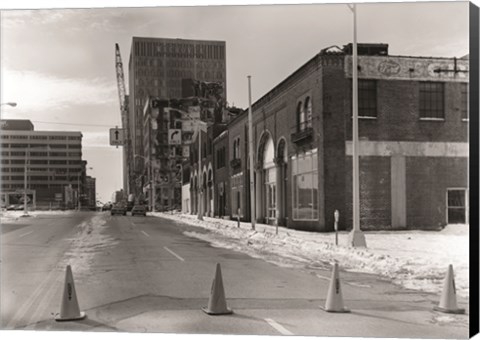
{"points": [[72, 124]]}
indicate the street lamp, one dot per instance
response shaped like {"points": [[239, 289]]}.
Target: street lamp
{"points": [[356, 237]]}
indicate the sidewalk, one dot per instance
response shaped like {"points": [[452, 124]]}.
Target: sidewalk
{"points": [[413, 259]]}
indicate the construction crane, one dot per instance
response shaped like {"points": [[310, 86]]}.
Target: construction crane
{"points": [[122, 93], [122, 96]]}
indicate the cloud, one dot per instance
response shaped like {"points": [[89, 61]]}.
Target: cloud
{"points": [[96, 140], [18, 18], [39, 92]]}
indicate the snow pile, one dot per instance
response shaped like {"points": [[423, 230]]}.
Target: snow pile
{"points": [[89, 240], [12, 216], [413, 259]]}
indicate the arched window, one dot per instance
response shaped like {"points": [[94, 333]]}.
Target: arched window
{"points": [[270, 180], [300, 117]]}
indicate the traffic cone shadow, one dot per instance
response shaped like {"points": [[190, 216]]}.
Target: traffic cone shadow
{"points": [[217, 305], [334, 303], [69, 310], [448, 301]]}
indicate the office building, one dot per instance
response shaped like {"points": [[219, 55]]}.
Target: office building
{"points": [[157, 67], [56, 174]]}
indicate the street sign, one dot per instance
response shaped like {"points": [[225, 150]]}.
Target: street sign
{"points": [[174, 136], [117, 136]]}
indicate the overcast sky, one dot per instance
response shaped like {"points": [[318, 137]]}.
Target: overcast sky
{"points": [[59, 65]]}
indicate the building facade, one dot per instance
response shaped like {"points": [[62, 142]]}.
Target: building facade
{"points": [[413, 131], [157, 67], [221, 183], [52, 161]]}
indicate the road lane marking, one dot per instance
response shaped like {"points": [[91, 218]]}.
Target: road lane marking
{"points": [[41, 290], [171, 252], [26, 234], [144, 233], [278, 327]]}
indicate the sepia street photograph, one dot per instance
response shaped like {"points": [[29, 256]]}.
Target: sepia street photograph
{"points": [[256, 169]]}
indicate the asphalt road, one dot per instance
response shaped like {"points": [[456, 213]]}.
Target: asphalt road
{"points": [[141, 274]]}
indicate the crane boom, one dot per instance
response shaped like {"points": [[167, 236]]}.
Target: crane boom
{"points": [[121, 87], [123, 98]]}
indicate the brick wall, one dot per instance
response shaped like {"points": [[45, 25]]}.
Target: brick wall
{"points": [[334, 120], [375, 195], [398, 117], [427, 181]]}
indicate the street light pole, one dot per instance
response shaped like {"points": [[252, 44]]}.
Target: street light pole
{"points": [[25, 211], [356, 237], [250, 153], [199, 204], [78, 191]]}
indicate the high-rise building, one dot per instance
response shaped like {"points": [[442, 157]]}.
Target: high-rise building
{"points": [[157, 67], [52, 161]]}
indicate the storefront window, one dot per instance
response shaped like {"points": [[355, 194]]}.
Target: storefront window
{"points": [[305, 186], [270, 185]]}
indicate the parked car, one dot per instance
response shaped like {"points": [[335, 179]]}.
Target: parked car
{"points": [[107, 207], [139, 210], [118, 209]]}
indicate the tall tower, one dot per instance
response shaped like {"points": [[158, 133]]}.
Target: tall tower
{"points": [[157, 67]]}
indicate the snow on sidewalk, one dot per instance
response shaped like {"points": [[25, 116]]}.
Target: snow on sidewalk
{"points": [[12, 216], [414, 259]]}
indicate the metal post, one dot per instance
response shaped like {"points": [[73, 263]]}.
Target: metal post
{"points": [[199, 196], [25, 211], [238, 218], [152, 170], [356, 238], [250, 151], [78, 191], [149, 169], [276, 219], [336, 215]]}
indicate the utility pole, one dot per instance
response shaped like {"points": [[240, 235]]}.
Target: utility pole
{"points": [[356, 237], [25, 211], [250, 153], [199, 204]]}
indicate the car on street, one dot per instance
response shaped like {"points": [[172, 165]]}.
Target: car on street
{"points": [[118, 209], [15, 207], [107, 207], [139, 210]]}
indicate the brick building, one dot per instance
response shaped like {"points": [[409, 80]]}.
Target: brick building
{"points": [[413, 123], [221, 189]]}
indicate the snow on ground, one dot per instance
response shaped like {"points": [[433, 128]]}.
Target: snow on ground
{"points": [[12, 216], [90, 239], [414, 259]]}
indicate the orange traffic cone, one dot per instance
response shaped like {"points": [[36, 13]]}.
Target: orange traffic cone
{"points": [[70, 309], [334, 301], [448, 302], [217, 305]]}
